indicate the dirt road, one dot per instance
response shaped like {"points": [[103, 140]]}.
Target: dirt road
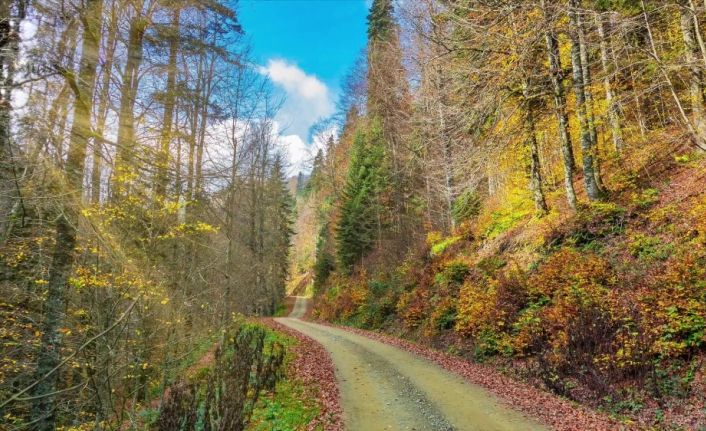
{"points": [[386, 388], [299, 309]]}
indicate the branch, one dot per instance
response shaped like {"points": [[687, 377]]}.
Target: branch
{"points": [[68, 358]]}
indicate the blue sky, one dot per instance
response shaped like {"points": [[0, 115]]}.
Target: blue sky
{"points": [[306, 47]]}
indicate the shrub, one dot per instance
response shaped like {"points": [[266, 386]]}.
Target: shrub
{"points": [[573, 321], [673, 306], [647, 247], [592, 222], [646, 198], [444, 315], [466, 206], [477, 307], [245, 365], [440, 247], [413, 306], [453, 274]]}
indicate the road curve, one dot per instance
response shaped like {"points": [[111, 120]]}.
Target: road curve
{"points": [[385, 388]]}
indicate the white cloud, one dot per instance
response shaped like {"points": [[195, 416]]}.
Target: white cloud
{"points": [[300, 154], [307, 101]]}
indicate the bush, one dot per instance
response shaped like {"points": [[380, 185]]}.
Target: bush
{"points": [[649, 248], [592, 222], [477, 307], [574, 321], [444, 315], [453, 274], [440, 247], [673, 306], [466, 206], [245, 365]]}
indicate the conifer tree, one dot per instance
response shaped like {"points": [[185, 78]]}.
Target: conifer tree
{"points": [[363, 201]]}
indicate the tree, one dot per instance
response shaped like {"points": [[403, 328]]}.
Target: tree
{"points": [[11, 14], [83, 85], [169, 101], [363, 201], [607, 63], [696, 80], [588, 144], [557, 78]]}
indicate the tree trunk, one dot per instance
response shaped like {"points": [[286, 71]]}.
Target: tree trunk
{"points": [[103, 102], [696, 95], [608, 72], [124, 160], [557, 79], [590, 107], [9, 48], [587, 147], [540, 202], [169, 104], [446, 148], [44, 406]]}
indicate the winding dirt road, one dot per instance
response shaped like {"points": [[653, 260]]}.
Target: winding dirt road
{"points": [[385, 388]]}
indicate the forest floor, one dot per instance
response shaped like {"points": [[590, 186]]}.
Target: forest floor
{"points": [[389, 384]]}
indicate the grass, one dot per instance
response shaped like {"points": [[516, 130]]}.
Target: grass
{"points": [[290, 407]]}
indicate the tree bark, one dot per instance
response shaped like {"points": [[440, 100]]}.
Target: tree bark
{"points": [[169, 105], [590, 106], [696, 95], [608, 72], [540, 202], [44, 406], [9, 49], [587, 147], [557, 79]]}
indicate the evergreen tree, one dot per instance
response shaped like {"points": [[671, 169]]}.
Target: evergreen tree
{"points": [[324, 262], [380, 20], [317, 173], [278, 233], [364, 198]]}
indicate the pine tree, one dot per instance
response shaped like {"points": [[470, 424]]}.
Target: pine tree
{"points": [[324, 262], [317, 173], [364, 198], [278, 233], [380, 21]]}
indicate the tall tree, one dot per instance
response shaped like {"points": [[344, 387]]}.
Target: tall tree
{"points": [[588, 147], [125, 170], [557, 78], [169, 98], [608, 64], [111, 31], [693, 64], [362, 206], [11, 14], [83, 85]]}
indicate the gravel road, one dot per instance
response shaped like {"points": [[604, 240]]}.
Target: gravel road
{"points": [[385, 388]]}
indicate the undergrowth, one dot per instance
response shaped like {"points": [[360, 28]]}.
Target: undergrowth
{"points": [[606, 306]]}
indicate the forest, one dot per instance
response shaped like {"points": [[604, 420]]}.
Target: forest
{"points": [[517, 184], [522, 184], [144, 201]]}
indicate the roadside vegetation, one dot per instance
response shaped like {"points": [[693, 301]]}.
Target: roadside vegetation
{"points": [[525, 203]]}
